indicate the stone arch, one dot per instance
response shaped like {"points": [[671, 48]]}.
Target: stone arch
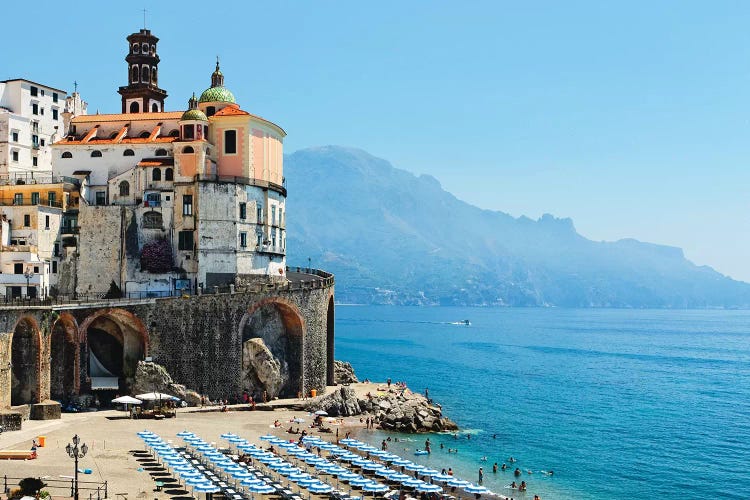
{"points": [[64, 358], [26, 362], [280, 325], [115, 340], [330, 328]]}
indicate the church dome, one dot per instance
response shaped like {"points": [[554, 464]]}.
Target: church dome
{"points": [[194, 114], [217, 94]]}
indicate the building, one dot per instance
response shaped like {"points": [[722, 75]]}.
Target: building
{"points": [[32, 117], [207, 180]]}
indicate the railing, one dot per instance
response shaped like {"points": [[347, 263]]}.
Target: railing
{"points": [[70, 229], [97, 490], [242, 180], [22, 178], [270, 249], [28, 202]]}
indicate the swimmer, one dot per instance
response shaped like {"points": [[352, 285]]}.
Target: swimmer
{"points": [[504, 466], [517, 472], [522, 487], [513, 485], [494, 467], [484, 459], [529, 471]]}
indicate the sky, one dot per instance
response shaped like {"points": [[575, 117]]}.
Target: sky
{"points": [[631, 118]]}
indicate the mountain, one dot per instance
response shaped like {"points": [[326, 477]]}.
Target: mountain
{"points": [[391, 237]]}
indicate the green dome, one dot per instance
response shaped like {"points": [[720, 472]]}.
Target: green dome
{"points": [[194, 114], [217, 94]]}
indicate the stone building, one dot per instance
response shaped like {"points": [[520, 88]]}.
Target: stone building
{"points": [[172, 246]]}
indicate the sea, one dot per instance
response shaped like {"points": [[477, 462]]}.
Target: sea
{"points": [[620, 404]]}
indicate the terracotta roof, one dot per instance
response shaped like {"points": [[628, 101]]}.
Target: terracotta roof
{"points": [[126, 140], [232, 110], [128, 117], [156, 162]]}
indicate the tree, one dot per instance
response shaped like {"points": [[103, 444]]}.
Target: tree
{"points": [[156, 256], [31, 485]]}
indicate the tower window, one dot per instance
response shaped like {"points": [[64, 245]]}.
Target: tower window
{"points": [[67, 154], [145, 74], [188, 132], [124, 188], [169, 174], [134, 74], [156, 175], [230, 142], [188, 149], [153, 75], [154, 108], [128, 152], [161, 152], [211, 110], [243, 211], [134, 108], [136, 48], [96, 154], [144, 48]]}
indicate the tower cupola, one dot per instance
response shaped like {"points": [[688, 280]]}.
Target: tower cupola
{"points": [[142, 93], [217, 96]]}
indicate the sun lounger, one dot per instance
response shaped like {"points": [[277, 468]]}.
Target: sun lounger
{"points": [[17, 454]]}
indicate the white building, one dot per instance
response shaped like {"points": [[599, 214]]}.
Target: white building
{"points": [[31, 119]]}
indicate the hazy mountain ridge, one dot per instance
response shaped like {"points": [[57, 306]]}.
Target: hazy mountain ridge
{"points": [[393, 237]]}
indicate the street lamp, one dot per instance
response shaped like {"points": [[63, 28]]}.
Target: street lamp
{"points": [[76, 453], [28, 274], [309, 264]]}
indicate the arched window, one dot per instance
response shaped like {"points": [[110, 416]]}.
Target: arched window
{"points": [[128, 152], [154, 108], [145, 74], [188, 131], [161, 152], [174, 133], [156, 175], [96, 154], [169, 174], [188, 149], [136, 48], [152, 220], [144, 48], [134, 74], [210, 111], [124, 188], [145, 134], [134, 108], [153, 75], [67, 154]]}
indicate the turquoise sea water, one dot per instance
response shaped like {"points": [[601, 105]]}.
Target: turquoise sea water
{"points": [[619, 403]]}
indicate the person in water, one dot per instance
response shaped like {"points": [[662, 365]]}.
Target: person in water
{"points": [[517, 472], [494, 467], [450, 471], [522, 487], [481, 475], [504, 466]]}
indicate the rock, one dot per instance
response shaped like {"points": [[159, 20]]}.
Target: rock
{"points": [[262, 371], [343, 373], [340, 403], [152, 377]]}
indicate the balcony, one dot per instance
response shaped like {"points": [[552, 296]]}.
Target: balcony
{"points": [[28, 202], [270, 249], [69, 229], [18, 279]]}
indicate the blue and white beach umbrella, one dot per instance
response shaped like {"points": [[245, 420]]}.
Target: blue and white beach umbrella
{"points": [[320, 488], [389, 457], [397, 476], [367, 448], [242, 474], [277, 466], [267, 437], [375, 488], [412, 483], [252, 482], [207, 488], [261, 488], [307, 482], [476, 490], [185, 433], [442, 477], [349, 476], [458, 483], [400, 462], [298, 476], [415, 467], [379, 453], [227, 435], [349, 457], [360, 482], [192, 481], [429, 488], [429, 472], [384, 471], [349, 441]]}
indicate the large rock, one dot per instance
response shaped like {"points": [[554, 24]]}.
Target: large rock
{"points": [[343, 373], [152, 377], [404, 411], [340, 403], [262, 371]]}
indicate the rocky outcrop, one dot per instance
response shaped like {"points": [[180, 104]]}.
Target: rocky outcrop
{"points": [[342, 402], [262, 371], [343, 373], [152, 377], [405, 411]]}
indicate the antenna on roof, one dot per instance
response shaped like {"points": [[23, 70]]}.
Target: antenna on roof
{"points": [[75, 86], [144, 19]]}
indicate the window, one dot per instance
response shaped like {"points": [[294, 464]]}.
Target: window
{"points": [[101, 198], [144, 48], [187, 204], [188, 149], [281, 216], [96, 154], [18, 199], [124, 188], [14, 155], [136, 48], [230, 142], [152, 220], [34, 91], [41, 142], [161, 152], [145, 134], [54, 96], [134, 77], [35, 109], [128, 152], [57, 248], [185, 241], [273, 214], [188, 132], [51, 196], [35, 141], [153, 80], [54, 267], [259, 238], [243, 240], [145, 74], [54, 113], [36, 269], [174, 133], [15, 136], [26, 220], [46, 222], [18, 268], [243, 211], [273, 236], [35, 198], [156, 175], [211, 110], [34, 161], [169, 174], [67, 154], [154, 108], [35, 126], [134, 107], [153, 199], [41, 111], [259, 215]]}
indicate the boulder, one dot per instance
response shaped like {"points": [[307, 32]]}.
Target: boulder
{"points": [[340, 403], [343, 373], [262, 371], [152, 377]]}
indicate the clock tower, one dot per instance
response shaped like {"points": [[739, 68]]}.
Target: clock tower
{"points": [[142, 94]]}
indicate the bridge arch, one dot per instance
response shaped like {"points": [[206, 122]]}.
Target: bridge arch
{"points": [[26, 362], [280, 326], [64, 358]]}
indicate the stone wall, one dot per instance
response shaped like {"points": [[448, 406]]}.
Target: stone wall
{"points": [[99, 247]]}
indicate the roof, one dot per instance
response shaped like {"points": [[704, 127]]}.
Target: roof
{"points": [[156, 162], [35, 83], [128, 117], [126, 140], [82, 172], [231, 110], [194, 114], [217, 94]]}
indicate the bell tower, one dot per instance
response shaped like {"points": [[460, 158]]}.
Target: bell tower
{"points": [[142, 94]]}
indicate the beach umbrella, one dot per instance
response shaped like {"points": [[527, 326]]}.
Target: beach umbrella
{"points": [[397, 476], [156, 396], [183, 468], [321, 413], [267, 437], [297, 476], [236, 440], [252, 482], [361, 462], [361, 482], [389, 457], [315, 460], [458, 483], [320, 488], [350, 456], [127, 400], [277, 441], [200, 479], [307, 482], [375, 488], [415, 467], [145, 433], [400, 462], [476, 490], [349, 441], [242, 474], [384, 472], [270, 460], [324, 464], [412, 483], [442, 477], [185, 434], [349, 476], [375, 467], [379, 453], [336, 470], [277, 466], [207, 488], [429, 472], [288, 445], [233, 468], [289, 469], [329, 447], [228, 435], [429, 488], [367, 448]]}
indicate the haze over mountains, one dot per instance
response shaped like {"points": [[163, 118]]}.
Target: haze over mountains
{"points": [[391, 237]]}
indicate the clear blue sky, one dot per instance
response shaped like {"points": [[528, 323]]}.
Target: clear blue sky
{"points": [[632, 118]]}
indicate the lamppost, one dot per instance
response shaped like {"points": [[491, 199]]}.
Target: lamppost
{"points": [[309, 264], [75, 453], [28, 274]]}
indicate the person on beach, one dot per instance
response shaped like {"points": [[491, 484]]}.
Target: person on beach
{"points": [[384, 445], [444, 472], [426, 393], [481, 475], [389, 382], [450, 471]]}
